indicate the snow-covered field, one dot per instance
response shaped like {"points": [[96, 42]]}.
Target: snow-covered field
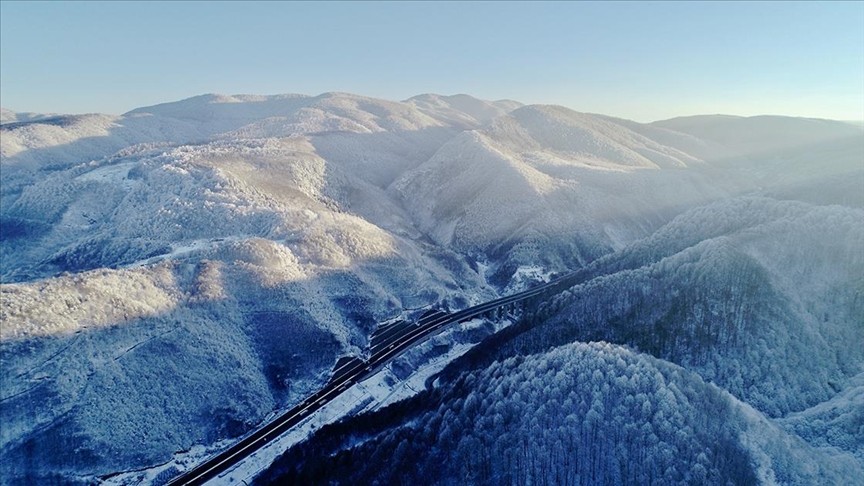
{"points": [[204, 262]]}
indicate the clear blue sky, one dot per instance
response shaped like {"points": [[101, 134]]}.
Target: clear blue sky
{"points": [[637, 60]]}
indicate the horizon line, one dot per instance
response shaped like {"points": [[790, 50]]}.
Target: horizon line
{"points": [[337, 92]]}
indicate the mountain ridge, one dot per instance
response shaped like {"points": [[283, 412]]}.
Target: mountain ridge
{"points": [[236, 246]]}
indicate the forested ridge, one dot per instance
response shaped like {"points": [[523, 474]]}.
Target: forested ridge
{"points": [[713, 338]]}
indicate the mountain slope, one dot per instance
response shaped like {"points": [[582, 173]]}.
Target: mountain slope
{"points": [[206, 261], [202, 284], [529, 178], [578, 414], [745, 293], [462, 110], [759, 134], [757, 296]]}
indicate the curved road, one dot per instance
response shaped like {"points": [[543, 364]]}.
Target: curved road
{"points": [[359, 371]]}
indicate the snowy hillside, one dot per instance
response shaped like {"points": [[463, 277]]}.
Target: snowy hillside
{"points": [[513, 189], [67, 140], [462, 110], [740, 292], [820, 173], [206, 261], [758, 301], [760, 134], [158, 256], [578, 414], [9, 116]]}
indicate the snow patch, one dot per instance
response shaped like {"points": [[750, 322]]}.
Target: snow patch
{"points": [[525, 277]]}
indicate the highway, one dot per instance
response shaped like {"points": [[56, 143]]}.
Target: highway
{"points": [[357, 370]]}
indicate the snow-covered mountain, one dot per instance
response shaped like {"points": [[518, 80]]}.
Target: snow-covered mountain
{"points": [[10, 116], [583, 414], [719, 291], [514, 189], [205, 261], [722, 291], [462, 110], [760, 134]]}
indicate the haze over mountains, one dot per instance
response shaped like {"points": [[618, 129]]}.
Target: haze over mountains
{"points": [[173, 274]]}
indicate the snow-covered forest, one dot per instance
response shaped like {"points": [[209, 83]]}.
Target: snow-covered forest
{"points": [[171, 276], [578, 414]]}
